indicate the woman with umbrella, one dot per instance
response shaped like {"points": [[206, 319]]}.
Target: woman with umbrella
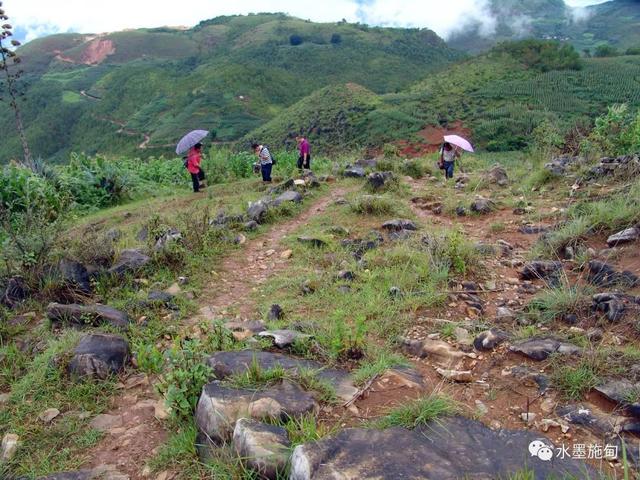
{"points": [[449, 153], [191, 143]]}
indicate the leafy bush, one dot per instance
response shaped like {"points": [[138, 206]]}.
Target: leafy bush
{"points": [[605, 50], [543, 55], [615, 133]]}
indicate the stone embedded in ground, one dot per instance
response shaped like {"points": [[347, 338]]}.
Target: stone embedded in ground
{"points": [[99, 355], [157, 297], [354, 172], [284, 338], [444, 449], [168, 238], [540, 348], [10, 443], [595, 334], [490, 339], [604, 275], [505, 314], [461, 211], [254, 326], [559, 165], [219, 407], [400, 235], [609, 304], [462, 376], [498, 175], [527, 374], [623, 165], [625, 236], [338, 230], [532, 229], [48, 415], [436, 350], [542, 269], [408, 376], [15, 291], [250, 225], [312, 241], [622, 392], [129, 261], [225, 364], [482, 205], [598, 423], [257, 211], [105, 422], [75, 275], [463, 338], [289, 196], [399, 224], [102, 472], [263, 448], [359, 246], [83, 315]]}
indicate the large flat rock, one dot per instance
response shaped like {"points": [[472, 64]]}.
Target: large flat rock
{"points": [[541, 347], [219, 407], [448, 449], [225, 364], [83, 315]]}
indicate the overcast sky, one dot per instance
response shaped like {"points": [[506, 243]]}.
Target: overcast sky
{"points": [[34, 18]]}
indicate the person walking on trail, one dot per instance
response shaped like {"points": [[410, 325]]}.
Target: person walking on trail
{"points": [[265, 161], [304, 160], [448, 156], [194, 157]]}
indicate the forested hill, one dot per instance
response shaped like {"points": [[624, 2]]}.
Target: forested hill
{"points": [[138, 91], [615, 23]]}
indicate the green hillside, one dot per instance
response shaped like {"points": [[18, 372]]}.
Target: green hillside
{"points": [[498, 96], [616, 23], [229, 74]]}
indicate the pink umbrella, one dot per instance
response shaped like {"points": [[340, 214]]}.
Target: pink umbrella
{"points": [[459, 142]]}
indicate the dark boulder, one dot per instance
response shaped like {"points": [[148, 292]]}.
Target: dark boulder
{"points": [[99, 355], [257, 211], [482, 205], [312, 241], [490, 339], [532, 229], [497, 175], [83, 315], [354, 172], [289, 196], [604, 275], [625, 236], [75, 275], [610, 304], [444, 449], [275, 312], [379, 180], [541, 347], [15, 292], [540, 269], [399, 224], [129, 261], [264, 448]]}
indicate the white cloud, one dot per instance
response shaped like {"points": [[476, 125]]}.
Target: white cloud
{"points": [[39, 17]]}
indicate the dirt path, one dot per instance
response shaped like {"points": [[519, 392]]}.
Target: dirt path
{"points": [[133, 434]]}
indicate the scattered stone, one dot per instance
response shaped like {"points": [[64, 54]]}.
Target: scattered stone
{"points": [[533, 229], [481, 408], [257, 211], [462, 376], [129, 261], [462, 337], [625, 236], [284, 338], [75, 275], [359, 246], [264, 448], [82, 315], [253, 326], [609, 304], [4, 398], [461, 211], [378, 180], [346, 275], [604, 275], [10, 443], [220, 407], [490, 339], [102, 472], [395, 292], [505, 314], [312, 241], [289, 196], [622, 392], [174, 289], [399, 224], [99, 355], [14, 293], [354, 172], [540, 269], [105, 422], [625, 164], [275, 313], [559, 165], [540, 348], [407, 376], [225, 364], [440, 351], [598, 423], [528, 417], [595, 334], [498, 175], [548, 405], [157, 297], [482, 205], [250, 225], [337, 230], [444, 449], [168, 238], [48, 415], [286, 254]]}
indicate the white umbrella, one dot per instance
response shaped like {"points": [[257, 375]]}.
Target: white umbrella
{"points": [[458, 141], [189, 140]]}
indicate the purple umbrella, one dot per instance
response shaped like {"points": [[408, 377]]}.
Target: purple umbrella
{"points": [[189, 140], [459, 142]]}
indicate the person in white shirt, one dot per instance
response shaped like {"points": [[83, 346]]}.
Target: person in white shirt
{"points": [[448, 156]]}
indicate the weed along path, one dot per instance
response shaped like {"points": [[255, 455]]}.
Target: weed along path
{"points": [[133, 429]]}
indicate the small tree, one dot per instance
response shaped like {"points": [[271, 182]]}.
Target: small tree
{"points": [[9, 62]]}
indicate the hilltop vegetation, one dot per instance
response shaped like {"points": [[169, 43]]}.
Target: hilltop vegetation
{"points": [[109, 93], [501, 96]]}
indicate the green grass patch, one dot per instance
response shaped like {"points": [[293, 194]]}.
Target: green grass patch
{"points": [[419, 412]]}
